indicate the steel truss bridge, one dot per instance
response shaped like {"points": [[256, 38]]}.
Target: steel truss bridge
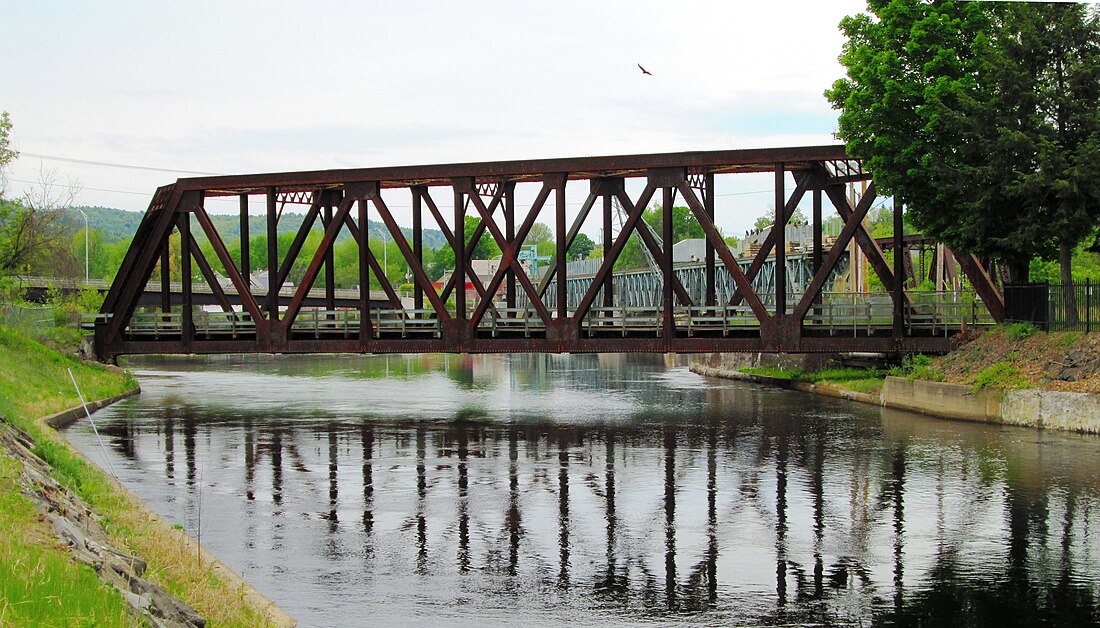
{"points": [[507, 198]]}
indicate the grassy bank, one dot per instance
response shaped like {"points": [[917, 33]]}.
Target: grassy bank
{"points": [[1009, 356], [38, 576], [861, 380]]}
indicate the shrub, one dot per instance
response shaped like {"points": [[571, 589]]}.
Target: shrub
{"points": [[917, 366], [999, 375], [1020, 331]]}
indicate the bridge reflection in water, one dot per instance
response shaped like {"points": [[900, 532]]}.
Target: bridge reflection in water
{"points": [[670, 497]]}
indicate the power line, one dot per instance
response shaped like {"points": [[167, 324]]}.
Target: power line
{"points": [[81, 187], [89, 162]]}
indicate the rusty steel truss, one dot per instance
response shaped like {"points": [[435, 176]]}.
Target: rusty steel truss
{"points": [[454, 318]]}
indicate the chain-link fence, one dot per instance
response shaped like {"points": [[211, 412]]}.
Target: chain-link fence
{"points": [[26, 318]]}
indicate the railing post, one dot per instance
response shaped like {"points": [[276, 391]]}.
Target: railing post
{"points": [[1088, 306]]}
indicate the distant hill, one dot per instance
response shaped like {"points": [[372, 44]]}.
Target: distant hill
{"points": [[120, 224], [114, 224]]}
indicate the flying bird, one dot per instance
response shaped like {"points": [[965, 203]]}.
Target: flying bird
{"points": [[644, 71]]}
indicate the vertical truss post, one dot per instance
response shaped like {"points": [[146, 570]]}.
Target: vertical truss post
{"points": [[780, 229], [899, 273], [708, 206], [667, 197], [246, 266], [165, 282], [272, 259], [608, 284], [330, 262], [363, 240], [816, 256], [817, 252], [187, 328], [418, 242], [560, 252], [461, 186], [510, 237]]}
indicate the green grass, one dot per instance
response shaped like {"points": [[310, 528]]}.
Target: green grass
{"points": [[999, 375], [39, 583], [855, 379], [1019, 331], [34, 383], [771, 371], [917, 366]]}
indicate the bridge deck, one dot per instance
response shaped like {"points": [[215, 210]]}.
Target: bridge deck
{"points": [[694, 329]]}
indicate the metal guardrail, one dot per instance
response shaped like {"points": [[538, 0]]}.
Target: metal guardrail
{"points": [[837, 315]]}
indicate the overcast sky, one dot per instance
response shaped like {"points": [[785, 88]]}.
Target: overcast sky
{"points": [[234, 87]]}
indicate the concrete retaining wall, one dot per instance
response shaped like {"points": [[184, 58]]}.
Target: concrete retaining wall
{"points": [[1077, 412], [947, 400]]}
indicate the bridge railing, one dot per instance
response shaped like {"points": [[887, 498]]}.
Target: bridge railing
{"points": [[837, 314]]}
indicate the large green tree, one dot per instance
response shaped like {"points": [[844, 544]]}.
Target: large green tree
{"points": [[981, 118], [7, 153]]}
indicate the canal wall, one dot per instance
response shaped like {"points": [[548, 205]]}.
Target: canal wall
{"points": [[1043, 409], [732, 362]]}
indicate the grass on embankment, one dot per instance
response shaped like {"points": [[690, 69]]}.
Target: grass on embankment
{"points": [[1007, 356], [861, 380], [40, 584], [34, 383]]}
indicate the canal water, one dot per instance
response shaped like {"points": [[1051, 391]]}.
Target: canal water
{"points": [[601, 490]]}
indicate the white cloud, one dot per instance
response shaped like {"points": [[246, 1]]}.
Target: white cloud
{"points": [[252, 87]]}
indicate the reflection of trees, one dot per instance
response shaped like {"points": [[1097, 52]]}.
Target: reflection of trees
{"points": [[1018, 597]]}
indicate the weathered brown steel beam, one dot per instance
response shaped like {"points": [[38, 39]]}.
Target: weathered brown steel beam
{"points": [[707, 193], [418, 244], [161, 218], [318, 258], [372, 261], [187, 327], [898, 294], [509, 261], [851, 226], [871, 250], [634, 214], [272, 257], [365, 325], [668, 196], [766, 247], [740, 161], [740, 279], [779, 229], [246, 263], [415, 265], [984, 285], [468, 188], [299, 240], [211, 279]]}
